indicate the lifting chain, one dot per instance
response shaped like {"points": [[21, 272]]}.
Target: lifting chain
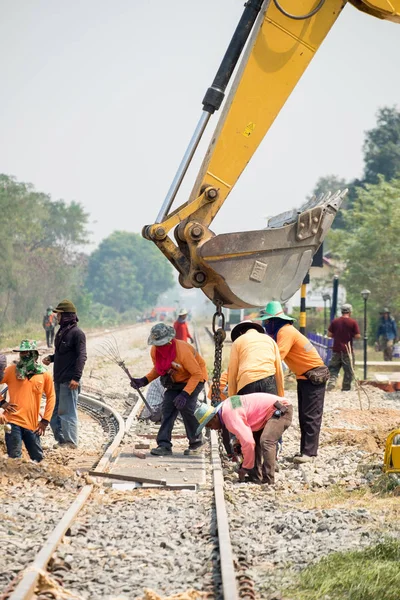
{"points": [[218, 328]]}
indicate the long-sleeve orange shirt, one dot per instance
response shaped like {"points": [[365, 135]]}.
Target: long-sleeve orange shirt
{"points": [[254, 356], [27, 395], [188, 366], [297, 351]]}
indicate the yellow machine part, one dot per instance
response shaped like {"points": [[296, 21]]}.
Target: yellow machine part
{"points": [[276, 57], [382, 9], [391, 463], [245, 269]]}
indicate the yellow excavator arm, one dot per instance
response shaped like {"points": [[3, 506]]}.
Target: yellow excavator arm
{"points": [[278, 39]]}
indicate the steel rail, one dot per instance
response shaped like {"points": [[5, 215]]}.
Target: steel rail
{"points": [[44, 350], [227, 566], [26, 587]]}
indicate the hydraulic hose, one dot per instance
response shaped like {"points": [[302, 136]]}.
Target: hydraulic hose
{"points": [[300, 17], [215, 94]]}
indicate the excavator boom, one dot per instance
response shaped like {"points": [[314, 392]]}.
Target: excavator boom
{"points": [[277, 40]]}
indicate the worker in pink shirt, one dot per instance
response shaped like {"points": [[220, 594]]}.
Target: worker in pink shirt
{"points": [[265, 415]]}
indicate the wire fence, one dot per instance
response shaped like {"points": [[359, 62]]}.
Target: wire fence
{"points": [[323, 345]]}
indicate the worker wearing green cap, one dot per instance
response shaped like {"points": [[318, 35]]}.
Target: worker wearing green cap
{"points": [[69, 360]]}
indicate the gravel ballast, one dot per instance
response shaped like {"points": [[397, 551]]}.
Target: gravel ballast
{"points": [[124, 542]]}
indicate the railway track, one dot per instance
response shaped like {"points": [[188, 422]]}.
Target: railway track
{"points": [[227, 579], [169, 540], [111, 421]]}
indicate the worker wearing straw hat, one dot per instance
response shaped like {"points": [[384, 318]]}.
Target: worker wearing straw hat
{"points": [[181, 327], [254, 363]]}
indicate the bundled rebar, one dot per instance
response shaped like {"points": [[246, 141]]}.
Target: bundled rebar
{"points": [[109, 349]]}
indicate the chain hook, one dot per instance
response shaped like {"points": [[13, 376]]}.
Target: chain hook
{"points": [[218, 327], [218, 315]]}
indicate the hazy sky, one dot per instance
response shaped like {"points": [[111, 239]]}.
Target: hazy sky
{"points": [[99, 99]]}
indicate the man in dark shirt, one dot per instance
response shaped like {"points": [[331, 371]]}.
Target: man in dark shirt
{"points": [[69, 360], [343, 331], [387, 334]]}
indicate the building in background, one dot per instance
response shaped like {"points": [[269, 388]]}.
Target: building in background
{"points": [[321, 282]]}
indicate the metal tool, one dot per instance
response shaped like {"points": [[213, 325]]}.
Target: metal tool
{"points": [[123, 477], [109, 349]]}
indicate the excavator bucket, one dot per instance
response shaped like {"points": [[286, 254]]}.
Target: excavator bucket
{"points": [[249, 269]]}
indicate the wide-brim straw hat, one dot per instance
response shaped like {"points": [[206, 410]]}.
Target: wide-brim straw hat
{"points": [[245, 326], [182, 312], [161, 334], [204, 414]]}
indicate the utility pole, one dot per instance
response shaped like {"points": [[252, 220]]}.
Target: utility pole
{"points": [[303, 295]]}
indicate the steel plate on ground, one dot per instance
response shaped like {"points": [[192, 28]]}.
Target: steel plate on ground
{"points": [[175, 470]]}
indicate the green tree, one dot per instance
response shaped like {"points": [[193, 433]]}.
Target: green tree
{"points": [[382, 147], [38, 246], [329, 183], [370, 248], [381, 151], [126, 271]]}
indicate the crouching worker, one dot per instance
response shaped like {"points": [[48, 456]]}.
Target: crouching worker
{"points": [[182, 372], [27, 381], [264, 415]]}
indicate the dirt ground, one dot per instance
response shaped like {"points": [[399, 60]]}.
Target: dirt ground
{"points": [[367, 429]]}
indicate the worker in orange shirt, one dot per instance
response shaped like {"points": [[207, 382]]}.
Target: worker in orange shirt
{"points": [[181, 327], [27, 381], [254, 364], [304, 361], [182, 373]]}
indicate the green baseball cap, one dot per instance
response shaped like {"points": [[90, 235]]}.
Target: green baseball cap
{"points": [[65, 306]]}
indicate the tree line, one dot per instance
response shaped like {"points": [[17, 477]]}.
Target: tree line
{"points": [[42, 242], [41, 247], [365, 237]]}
